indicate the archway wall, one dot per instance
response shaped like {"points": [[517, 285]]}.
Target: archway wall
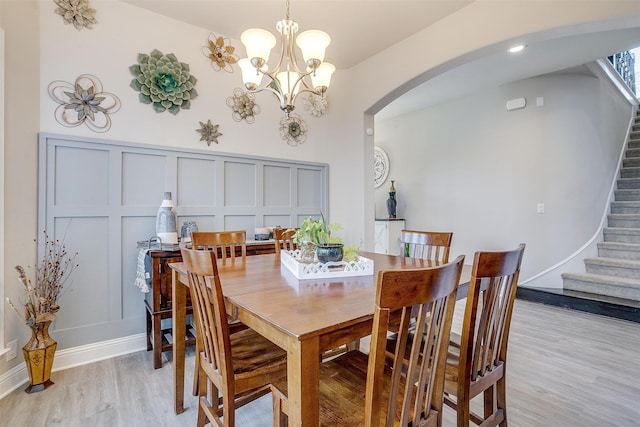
{"points": [[481, 28]]}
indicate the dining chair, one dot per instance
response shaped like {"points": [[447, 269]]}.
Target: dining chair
{"points": [[234, 369], [432, 245], [224, 243], [429, 245], [284, 239], [477, 364], [360, 390]]}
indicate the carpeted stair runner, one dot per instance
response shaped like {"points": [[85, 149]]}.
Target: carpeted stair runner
{"points": [[615, 272]]}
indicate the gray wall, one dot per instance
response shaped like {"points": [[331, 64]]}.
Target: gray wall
{"points": [[474, 168]]}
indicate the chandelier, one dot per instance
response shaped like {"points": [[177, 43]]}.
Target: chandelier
{"points": [[287, 79]]}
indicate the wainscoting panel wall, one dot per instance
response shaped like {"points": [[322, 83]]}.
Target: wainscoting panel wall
{"points": [[101, 197]]}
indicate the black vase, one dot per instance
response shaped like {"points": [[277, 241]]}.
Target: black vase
{"points": [[330, 252]]}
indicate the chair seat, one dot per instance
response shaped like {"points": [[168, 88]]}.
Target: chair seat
{"points": [[251, 352]]}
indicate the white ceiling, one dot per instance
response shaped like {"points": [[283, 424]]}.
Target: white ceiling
{"points": [[360, 28]]}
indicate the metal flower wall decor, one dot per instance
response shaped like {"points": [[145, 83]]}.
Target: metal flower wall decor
{"points": [[293, 129], [316, 105], [163, 81], [209, 132], [221, 53], [243, 105], [83, 102], [76, 12]]}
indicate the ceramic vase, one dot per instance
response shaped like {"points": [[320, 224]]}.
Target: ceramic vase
{"points": [[166, 221], [330, 252], [188, 227], [38, 354]]}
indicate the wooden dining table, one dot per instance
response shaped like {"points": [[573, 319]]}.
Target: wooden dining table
{"points": [[304, 317]]}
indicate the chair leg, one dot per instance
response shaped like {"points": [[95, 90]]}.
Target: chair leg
{"points": [[196, 371], [489, 398], [501, 400], [279, 403], [202, 417], [463, 411]]}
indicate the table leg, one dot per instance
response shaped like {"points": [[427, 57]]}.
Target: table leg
{"points": [[178, 314], [303, 373]]}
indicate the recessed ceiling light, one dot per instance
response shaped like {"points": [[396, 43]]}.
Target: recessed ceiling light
{"points": [[517, 48]]}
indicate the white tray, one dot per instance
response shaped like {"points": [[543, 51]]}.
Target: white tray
{"points": [[317, 270]]}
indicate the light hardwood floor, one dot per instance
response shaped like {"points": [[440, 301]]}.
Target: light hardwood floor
{"points": [[565, 368]]}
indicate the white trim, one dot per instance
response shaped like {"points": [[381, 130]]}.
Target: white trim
{"points": [[76, 356]]}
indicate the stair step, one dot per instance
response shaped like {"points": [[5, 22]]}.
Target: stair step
{"points": [[617, 250], [624, 220], [618, 287], [625, 207], [622, 235], [630, 172], [633, 162], [614, 267], [632, 153], [633, 143], [627, 195], [628, 183]]}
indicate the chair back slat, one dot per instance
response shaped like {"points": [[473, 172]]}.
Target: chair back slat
{"points": [[415, 389], [223, 243], [284, 239], [433, 245]]}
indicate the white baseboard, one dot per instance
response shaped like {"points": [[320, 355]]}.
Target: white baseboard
{"points": [[76, 356]]}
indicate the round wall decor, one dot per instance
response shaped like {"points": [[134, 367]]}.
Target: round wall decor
{"points": [[380, 166]]}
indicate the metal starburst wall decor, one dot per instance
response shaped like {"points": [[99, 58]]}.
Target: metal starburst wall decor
{"points": [[76, 12], [209, 132], [83, 102], [221, 53]]}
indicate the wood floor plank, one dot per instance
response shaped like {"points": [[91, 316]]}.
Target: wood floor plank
{"points": [[565, 369]]}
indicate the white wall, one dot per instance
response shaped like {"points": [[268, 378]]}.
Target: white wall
{"points": [[474, 168]]}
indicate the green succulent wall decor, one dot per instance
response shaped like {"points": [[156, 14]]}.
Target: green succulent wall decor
{"points": [[163, 81]]}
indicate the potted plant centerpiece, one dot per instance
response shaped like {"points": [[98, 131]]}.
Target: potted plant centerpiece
{"points": [[315, 240], [40, 308]]}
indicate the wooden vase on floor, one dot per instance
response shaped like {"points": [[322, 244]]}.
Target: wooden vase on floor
{"points": [[38, 355]]}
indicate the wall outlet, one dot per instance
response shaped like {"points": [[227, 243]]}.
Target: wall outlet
{"points": [[540, 208], [13, 350]]}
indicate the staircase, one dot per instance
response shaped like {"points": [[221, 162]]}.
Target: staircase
{"points": [[615, 272]]}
